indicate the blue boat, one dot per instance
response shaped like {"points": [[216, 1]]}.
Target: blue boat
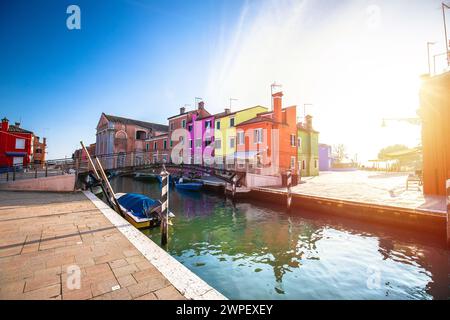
{"points": [[188, 186], [140, 210], [158, 177]]}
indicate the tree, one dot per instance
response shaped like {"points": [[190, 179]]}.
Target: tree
{"points": [[390, 149], [339, 152]]}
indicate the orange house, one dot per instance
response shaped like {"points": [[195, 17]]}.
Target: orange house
{"points": [[269, 140]]}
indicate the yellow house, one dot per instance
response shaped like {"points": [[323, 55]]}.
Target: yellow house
{"points": [[225, 130]]}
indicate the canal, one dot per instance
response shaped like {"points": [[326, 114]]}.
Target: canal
{"points": [[257, 251]]}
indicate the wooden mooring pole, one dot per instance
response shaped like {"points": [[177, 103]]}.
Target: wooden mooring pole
{"points": [[233, 187], [448, 213], [289, 190], [164, 206]]}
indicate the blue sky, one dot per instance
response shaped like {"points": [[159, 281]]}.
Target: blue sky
{"points": [[144, 59]]}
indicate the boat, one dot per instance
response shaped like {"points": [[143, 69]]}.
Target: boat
{"points": [[171, 179], [188, 186], [145, 176], [139, 210]]}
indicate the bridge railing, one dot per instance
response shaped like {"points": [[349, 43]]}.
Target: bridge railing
{"points": [[47, 168]]}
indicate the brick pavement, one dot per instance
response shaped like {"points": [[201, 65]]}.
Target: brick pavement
{"points": [[44, 236]]}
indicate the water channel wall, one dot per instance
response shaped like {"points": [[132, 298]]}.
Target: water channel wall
{"points": [[61, 183], [420, 220]]}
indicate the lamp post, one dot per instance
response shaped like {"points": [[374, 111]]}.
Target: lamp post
{"points": [[444, 6], [428, 50]]}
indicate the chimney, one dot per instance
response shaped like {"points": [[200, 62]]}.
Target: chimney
{"points": [[17, 124], [277, 97], [227, 110], [201, 105], [308, 119], [5, 124], [182, 110]]}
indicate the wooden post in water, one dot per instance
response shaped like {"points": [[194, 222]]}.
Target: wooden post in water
{"points": [[164, 205], [289, 186], [448, 213], [14, 173]]}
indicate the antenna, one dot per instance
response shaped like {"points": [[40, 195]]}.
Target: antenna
{"points": [[231, 100], [272, 86]]}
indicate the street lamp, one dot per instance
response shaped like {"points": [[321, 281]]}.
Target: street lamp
{"points": [[444, 6], [428, 49]]}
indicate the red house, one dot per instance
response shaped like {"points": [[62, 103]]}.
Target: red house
{"points": [[16, 145]]}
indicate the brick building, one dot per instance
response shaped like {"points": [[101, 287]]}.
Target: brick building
{"points": [[122, 141]]}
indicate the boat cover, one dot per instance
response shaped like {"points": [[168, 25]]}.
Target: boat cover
{"points": [[137, 203]]}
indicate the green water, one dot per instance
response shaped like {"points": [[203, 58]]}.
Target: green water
{"points": [[257, 251]]}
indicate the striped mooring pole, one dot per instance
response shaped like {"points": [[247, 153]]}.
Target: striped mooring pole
{"points": [[289, 191], [233, 187], [164, 205]]}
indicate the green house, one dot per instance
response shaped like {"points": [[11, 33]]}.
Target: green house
{"points": [[308, 148]]}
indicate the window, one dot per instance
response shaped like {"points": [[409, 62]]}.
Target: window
{"points": [[198, 143], [232, 142], [172, 126], [191, 143], [292, 140], [165, 144], [292, 162], [218, 144], [303, 164], [146, 147], [154, 145], [190, 128], [218, 125], [208, 124], [183, 124], [241, 137], [299, 143], [182, 141], [208, 141], [257, 136], [20, 143], [141, 135], [171, 143], [231, 122]]}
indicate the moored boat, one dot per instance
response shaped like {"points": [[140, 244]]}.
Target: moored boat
{"points": [[140, 210], [188, 186]]}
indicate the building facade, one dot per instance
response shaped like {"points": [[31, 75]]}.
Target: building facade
{"points": [[225, 132], [268, 141], [201, 138], [16, 145], [181, 121], [39, 150], [308, 148], [123, 142], [158, 148], [325, 157]]}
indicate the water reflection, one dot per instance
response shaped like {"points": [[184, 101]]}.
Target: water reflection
{"points": [[253, 251]]}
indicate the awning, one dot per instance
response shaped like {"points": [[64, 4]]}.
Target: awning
{"points": [[245, 154], [16, 154]]}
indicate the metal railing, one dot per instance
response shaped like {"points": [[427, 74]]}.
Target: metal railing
{"points": [[37, 170]]}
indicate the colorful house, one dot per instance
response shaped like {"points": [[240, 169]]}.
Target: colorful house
{"points": [[16, 145], [325, 158], [308, 148], [181, 121], [201, 136], [225, 132], [268, 141]]}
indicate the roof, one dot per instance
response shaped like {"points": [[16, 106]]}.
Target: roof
{"points": [[144, 124], [256, 120], [224, 114], [13, 128]]}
